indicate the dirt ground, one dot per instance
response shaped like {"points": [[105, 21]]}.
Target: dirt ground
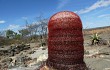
{"points": [[97, 57]]}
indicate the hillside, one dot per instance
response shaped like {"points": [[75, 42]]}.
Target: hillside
{"points": [[97, 30]]}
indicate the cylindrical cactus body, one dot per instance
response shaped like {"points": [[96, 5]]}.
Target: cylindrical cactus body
{"points": [[65, 41]]}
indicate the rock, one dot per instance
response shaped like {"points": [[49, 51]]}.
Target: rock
{"points": [[43, 48], [27, 44], [5, 63], [103, 42], [6, 60], [41, 58], [31, 52], [86, 52]]}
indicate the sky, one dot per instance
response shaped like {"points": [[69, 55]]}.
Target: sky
{"points": [[13, 13]]}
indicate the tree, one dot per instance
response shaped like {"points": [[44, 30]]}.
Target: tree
{"points": [[2, 33], [24, 32], [35, 31], [3, 40], [10, 34], [42, 31], [17, 36]]}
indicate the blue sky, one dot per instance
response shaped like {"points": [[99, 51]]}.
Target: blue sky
{"points": [[13, 13]]}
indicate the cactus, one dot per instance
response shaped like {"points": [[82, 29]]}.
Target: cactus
{"points": [[65, 42]]}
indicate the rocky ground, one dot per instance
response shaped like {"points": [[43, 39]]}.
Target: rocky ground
{"points": [[97, 57], [27, 59]]}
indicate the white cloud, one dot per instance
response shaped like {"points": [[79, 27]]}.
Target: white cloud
{"points": [[105, 15], [13, 27], [2, 21], [24, 18], [62, 3], [98, 4], [75, 11]]}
